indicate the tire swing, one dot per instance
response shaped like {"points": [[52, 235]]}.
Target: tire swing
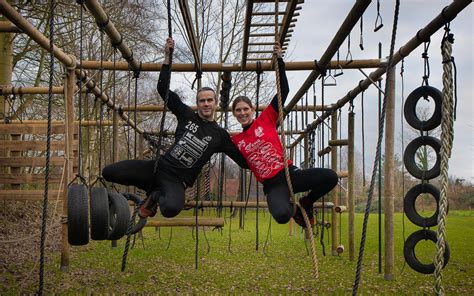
{"points": [[409, 251], [410, 209], [119, 216], [77, 215], [410, 154], [410, 108], [77, 196]]}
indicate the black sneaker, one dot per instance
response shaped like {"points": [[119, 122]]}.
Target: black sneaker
{"points": [[308, 207], [149, 207]]}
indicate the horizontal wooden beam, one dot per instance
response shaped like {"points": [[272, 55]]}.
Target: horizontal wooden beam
{"points": [[340, 209], [29, 195], [342, 174], [33, 128], [185, 222], [19, 161], [289, 66], [339, 142], [242, 204], [28, 178], [324, 151], [18, 145]]}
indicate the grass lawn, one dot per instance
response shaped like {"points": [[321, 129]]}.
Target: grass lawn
{"points": [[233, 266]]}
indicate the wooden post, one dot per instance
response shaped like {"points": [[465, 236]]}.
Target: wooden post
{"points": [[335, 191], [389, 166], [350, 185], [69, 149]]}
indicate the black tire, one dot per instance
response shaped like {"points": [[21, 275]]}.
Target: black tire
{"points": [[409, 251], [138, 226], [119, 216], [77, 215], [410, 209], [410, 108], [409, 158], [99, 205]]}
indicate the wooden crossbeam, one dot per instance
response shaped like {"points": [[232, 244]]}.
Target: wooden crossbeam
{"points": [[18, 145], [185, 222], [31, 161], [28, 178], [34, 128], [28, 195]]}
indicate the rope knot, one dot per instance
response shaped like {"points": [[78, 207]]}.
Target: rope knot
{"points": [[197, 77]]}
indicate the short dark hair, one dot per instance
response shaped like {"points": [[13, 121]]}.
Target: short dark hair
{"points": [[241, 99], [206, 88]]}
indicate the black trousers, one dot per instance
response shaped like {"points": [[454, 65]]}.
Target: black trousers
{"points": [[168, 191], [318, 181]]}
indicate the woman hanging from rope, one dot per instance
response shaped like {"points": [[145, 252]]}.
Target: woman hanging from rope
{"points": [[197, 137], [260, 145]]}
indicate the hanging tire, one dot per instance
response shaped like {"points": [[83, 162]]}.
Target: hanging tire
{"points": [[138, 226], [77, 215], [99, 205], [410, 108], [409, 158], [409, 251], [410, 209], [119, 216]]}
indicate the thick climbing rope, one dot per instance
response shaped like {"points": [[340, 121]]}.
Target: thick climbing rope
{"points": [[309, 230], [44, 216], [163, 116], [378, 153], [257, 95], [447, 135]]}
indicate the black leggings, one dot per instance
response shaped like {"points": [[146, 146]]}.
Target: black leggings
{"points": [[318, 181], [168, 191]]}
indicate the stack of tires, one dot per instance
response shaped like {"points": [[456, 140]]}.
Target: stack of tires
{"points": [[424, 175], [109, 214]]}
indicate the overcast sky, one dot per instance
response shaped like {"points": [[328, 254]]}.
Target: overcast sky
{"points": [[319, 21]]}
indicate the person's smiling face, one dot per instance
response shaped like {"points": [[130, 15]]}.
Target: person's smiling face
{"points": [[244, 113]]}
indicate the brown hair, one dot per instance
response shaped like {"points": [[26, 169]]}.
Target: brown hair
{"points": [[241, 99], [206, 88]]}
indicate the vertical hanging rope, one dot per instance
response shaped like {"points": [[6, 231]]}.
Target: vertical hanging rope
{"points": [[163, 116], [309, 230], [447, 135], [44, 216], [79, 156], [377, 155], [259, 73]]}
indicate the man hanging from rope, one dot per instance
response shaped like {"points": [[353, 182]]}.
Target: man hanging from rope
{"points": [[261, 146], [197, 137]]}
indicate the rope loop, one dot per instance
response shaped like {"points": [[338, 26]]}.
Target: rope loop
{"points": [[197, 77], [136, 73]]}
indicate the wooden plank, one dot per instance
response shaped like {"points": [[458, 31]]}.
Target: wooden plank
{"points": [[32, 128], [31, 161], [28, 178], [28, 195], [185, 222], [34, 145]]}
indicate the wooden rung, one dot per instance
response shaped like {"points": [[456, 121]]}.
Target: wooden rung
{"points": [[258, 51], [31, 128], [340, 209], [327, 205], [16, 145], [343, 174], [262, 35], [264, 25], [268, 13], [28, 178], [341, 142], [31, 161], [324, 151], [185, 222], [226, 204], [22, 195]]}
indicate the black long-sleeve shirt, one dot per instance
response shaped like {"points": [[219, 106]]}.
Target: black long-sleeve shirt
{"points": [[196, 139]]}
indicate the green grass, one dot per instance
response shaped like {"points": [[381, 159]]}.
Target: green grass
{"points": [[283, 268]]}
